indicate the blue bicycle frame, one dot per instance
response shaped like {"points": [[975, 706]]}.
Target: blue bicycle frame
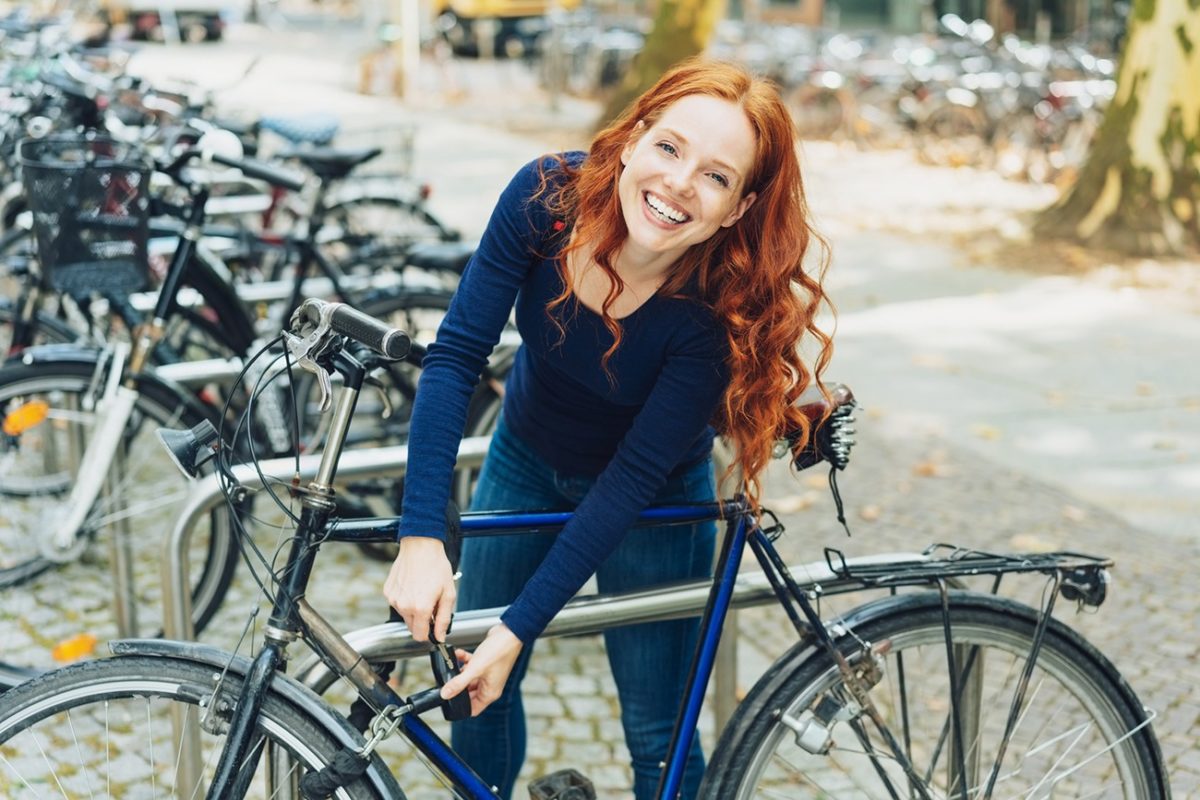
{"points": [[738, 529]]}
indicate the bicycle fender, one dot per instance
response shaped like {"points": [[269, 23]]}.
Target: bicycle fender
{"points": [[90, 355], [282, 685]]}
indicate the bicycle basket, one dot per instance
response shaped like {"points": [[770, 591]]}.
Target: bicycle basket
{"points": [[90, 204]]}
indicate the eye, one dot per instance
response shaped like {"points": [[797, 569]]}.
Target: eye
{"points": [[720, 179], [667, 148]]}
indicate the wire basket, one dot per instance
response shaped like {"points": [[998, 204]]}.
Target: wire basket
{"points": [[90, 202]]}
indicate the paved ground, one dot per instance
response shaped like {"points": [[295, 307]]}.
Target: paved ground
{"points": [[1013, 396]]}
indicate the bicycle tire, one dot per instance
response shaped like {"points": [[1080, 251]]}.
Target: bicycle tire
{"points": [[372, 232], [51, 608], [759, 754], [61, 730], [369, 218], [47, 329]]}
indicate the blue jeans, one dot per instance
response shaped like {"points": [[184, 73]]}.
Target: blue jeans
{"points": [[649, 661]]}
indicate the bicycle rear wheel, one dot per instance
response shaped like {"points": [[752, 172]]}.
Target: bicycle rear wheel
{"points": [[54, 611], [1081, 731], [104, 729]]}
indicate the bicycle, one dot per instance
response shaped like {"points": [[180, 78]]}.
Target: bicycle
{"points": [[932, 694], [78, 463]]}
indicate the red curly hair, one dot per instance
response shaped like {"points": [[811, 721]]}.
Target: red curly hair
{"points": [[751, 274]]}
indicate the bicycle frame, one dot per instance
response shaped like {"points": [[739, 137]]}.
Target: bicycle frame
{"points": [[292, 617]]}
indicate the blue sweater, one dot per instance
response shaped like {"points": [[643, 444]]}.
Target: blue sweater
{"points": [[630, 432]]}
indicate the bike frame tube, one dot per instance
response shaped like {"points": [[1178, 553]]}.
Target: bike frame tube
{"points": [[732, 548], [720, 598], [487, 523], [445, 759]]}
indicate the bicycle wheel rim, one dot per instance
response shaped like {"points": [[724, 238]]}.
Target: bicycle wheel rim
{"points": [[55, 612], [107, 729], [1077, 736]]}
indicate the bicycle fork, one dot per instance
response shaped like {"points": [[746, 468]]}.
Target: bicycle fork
{"points": [[112, 413], [858, 678]]}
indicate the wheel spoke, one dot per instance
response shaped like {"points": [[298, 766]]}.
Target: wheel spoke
{"points": [[1077, 734]]}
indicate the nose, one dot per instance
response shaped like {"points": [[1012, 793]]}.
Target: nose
{"points": [[679, 179]]}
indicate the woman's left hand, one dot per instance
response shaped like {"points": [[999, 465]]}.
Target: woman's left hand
{"points": [[485, 671]]}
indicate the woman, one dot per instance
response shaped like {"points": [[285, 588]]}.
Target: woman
{"points": [[659, 292]]}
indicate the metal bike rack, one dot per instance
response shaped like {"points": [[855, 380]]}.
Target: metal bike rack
{"points": [[595, 613], [206, 495], [588, 614]]}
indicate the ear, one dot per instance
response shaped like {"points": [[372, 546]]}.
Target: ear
{"points": [[634, 137], [739, 209]]}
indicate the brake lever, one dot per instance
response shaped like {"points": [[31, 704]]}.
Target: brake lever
{"points": [[310, 338]]}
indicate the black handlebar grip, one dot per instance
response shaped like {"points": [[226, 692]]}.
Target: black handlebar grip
{"points": [[390, 342], [273, 175]]}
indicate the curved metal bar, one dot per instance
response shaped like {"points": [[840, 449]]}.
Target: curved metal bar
{"points": [[595, 613], [206, 495]]}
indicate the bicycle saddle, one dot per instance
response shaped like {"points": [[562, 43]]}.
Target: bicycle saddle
{"points": [[441, 256], [318, 129], [331, 163]]}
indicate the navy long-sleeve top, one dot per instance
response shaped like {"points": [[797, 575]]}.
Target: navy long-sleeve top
{"points": [[630, 428]]}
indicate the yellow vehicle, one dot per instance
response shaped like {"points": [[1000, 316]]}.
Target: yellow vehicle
{"points": [[495, 27]]}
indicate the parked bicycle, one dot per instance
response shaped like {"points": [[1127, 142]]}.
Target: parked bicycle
{"points": [[80, 474], [936, 693]]}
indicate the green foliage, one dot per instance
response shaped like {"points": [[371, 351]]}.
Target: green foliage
{"points": [[682, 28], [1184, 41]]}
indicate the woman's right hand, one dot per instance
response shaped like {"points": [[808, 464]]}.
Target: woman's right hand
{"points": [[420, 586]]}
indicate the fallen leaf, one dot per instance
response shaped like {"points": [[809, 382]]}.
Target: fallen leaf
{"points": [[792, 503], [870, 513], [1032, 543], [931, 360], [1074, 513], [1056, 398], [929, 469], [984, 431]]}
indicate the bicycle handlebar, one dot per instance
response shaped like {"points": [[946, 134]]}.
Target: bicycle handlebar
{"points": [[389, 342], [314, 319], [276, 176]]}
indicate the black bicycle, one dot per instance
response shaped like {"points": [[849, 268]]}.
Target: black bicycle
{"points": [[82, 477]]}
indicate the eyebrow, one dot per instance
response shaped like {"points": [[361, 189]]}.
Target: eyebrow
{"points": [[722, 164]]}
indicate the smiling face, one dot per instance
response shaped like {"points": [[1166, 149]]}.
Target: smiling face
{"points": [[685, 177]]}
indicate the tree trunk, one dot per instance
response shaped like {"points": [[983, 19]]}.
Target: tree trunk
{"points": [[681, 28], [1139, 190]]}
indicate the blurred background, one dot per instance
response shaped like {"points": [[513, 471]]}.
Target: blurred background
{"points": [[1018, 86]]}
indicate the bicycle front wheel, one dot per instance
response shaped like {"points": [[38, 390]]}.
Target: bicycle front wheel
{"points": [[1080, 733], [61, 609], [107, 729]]}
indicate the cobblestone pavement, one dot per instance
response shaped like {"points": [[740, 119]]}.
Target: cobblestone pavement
{"points": [[935, 462]]}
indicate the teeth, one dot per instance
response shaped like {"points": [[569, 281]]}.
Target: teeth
{"points": [[665, 211]]}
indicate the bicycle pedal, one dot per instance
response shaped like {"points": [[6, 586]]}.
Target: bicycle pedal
{"points": [[566, 784]]}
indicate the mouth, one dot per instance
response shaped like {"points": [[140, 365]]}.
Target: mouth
{"points": [[663, 211]]}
